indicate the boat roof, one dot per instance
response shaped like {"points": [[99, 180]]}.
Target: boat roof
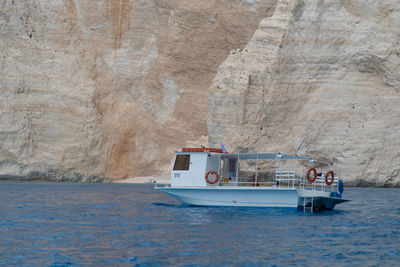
{"points": [[264, 156], [270, 156]]}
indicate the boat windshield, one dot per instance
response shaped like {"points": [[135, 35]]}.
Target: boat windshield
{"points": [[182, 163]]}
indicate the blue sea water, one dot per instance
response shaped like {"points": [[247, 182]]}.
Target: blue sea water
{"points": [[76, 224]]}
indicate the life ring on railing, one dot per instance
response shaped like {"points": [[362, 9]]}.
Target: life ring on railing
{"points": [[216, 176], [332, 175], [312, 169]]}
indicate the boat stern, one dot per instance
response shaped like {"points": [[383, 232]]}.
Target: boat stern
{"points": [[318, 200]]}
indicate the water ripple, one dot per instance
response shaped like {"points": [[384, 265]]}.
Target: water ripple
{"points": [[67, 224]]}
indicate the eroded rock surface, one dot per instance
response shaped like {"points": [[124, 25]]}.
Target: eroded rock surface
{"points": [[93, 90], [327, 72], [109, 89]]}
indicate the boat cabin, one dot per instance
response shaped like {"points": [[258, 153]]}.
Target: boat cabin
{"points": [[210, 167]]}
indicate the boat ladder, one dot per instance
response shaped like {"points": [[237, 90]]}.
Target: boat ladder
{"points": [[308, 200]]}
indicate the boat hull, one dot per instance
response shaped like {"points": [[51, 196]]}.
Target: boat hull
{"points": [[318, 200], [321, 203], [238, 196]]}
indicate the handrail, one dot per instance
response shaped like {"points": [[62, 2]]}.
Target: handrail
{"points": [[158, 185], [283, 178]]}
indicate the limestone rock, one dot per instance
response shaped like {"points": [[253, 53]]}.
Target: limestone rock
{"points": [[109, 89], [325, 71]]}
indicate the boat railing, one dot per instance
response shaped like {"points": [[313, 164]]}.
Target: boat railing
{"points": [[161, 185], [319, 184], [284, 177], [243, 182]]}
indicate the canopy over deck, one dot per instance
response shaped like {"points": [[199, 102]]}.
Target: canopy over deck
{"points": [[260, 156], [270, 156]]}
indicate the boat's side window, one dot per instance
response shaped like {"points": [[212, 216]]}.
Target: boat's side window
{"points": [[232, 165], [182, 163]]}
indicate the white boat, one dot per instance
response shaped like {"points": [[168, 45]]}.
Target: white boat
{"points": [[209, 177]]}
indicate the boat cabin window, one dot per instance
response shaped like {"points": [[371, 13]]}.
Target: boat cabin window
{"points": [[232, 165], [182, 163]]}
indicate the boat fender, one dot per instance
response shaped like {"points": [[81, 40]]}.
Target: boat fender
{"points": [[340, 186], [332, 175], [216, 176], [311, 180]]}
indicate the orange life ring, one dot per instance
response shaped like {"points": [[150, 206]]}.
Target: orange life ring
{"points": [[312, 169], [216, 175], [329, 173]]}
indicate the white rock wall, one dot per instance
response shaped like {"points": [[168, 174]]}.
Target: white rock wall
{"points": [[48, 124], [110, 89], [325, 71]]}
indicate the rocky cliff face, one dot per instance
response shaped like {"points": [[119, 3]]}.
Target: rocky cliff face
{"points": [[327, 72], [109, 89]]}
